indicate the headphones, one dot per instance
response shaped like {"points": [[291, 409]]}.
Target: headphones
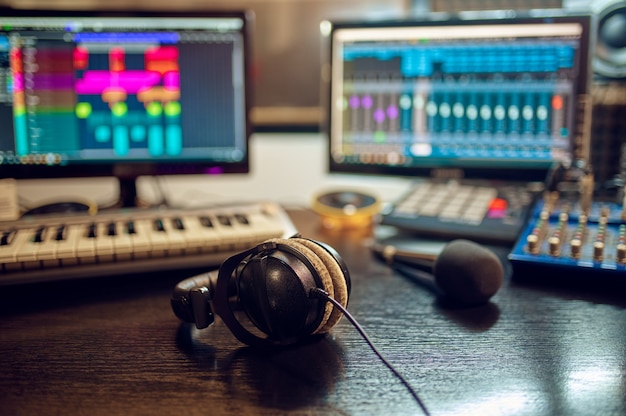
{"points": [[284, 291], [269, 294]]}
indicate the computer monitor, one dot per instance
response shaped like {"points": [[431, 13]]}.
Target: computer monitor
{"points": [[496, 95], [123, 94]]}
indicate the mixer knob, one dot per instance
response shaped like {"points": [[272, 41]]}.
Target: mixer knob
{"points": [[598, 250], [621, 253], [532, 243], [576, 245], [554, 246]]}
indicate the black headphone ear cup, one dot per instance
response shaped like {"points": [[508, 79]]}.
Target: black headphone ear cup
{"points": [[337, 286], [331, 274], [320, 269]]}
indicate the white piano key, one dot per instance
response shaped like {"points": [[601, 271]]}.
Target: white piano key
{"points": [[104, 245], [85, 246], [264, 227], [176, 238], [46, 249], [22, 246], [123, 243], [141, 243], [159, 238], [201, 237], [231, 235], [147, 235], [66, 248], [243, 235], [9, 253]]}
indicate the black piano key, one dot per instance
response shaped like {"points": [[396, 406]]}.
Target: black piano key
{"points": [[7, 237], [178, 223], [40, 234], [111, 229], [92, 230], [224, 220], [158, 225], [130, 227], [242, 219], [59, 234], [206, 222]]}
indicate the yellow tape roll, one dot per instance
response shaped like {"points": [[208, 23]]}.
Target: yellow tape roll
{"points": [[346, 209]]}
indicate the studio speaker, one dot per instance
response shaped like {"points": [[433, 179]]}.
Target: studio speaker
{"points": [[609, 60], [608, 90]]}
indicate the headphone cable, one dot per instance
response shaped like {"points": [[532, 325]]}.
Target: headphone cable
{"points": [[320, 293]]}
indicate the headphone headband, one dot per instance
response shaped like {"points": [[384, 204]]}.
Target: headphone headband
{"points": [[183, 305]]}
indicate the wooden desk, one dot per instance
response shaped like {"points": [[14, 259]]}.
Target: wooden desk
{"points": [[113, 346]]}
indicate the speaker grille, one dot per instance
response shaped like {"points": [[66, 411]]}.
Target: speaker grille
{"points": [[610, 50]]}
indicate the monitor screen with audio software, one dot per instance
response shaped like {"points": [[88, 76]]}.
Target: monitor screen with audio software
{"points": [[478, 108], [123, 94], [485, 97]]}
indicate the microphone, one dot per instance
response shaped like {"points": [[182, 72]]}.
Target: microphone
{"points": [[464, 272]]}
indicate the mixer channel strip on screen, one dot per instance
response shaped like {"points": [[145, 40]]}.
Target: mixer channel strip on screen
{"points": [[458, 118], [479, 210], [562, 235], [133, 241]]}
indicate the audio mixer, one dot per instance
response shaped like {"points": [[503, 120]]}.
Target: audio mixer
{"points": [[573, 238]]}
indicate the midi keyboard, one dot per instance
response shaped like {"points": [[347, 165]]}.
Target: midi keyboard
{"points": [[130, 241]]}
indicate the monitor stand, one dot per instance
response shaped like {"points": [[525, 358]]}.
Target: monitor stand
{"points": [[128, 192], [126, 175]]}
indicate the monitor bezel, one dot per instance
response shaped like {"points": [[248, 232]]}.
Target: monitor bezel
{"points": [[130, 170], [522, 172]]}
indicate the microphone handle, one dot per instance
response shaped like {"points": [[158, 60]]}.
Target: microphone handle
{"points": [[391, 255], [416, 263], [418, 267]]}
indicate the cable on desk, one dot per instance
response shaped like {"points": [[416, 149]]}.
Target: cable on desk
{"points": [[320, 293]]}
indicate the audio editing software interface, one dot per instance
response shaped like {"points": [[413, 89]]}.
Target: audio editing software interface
{"points": [[106, 89], [482, 99], [488, 94]]}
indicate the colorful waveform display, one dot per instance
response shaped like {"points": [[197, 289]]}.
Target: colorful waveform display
{"points": [[120, 100], [129, 99]]}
